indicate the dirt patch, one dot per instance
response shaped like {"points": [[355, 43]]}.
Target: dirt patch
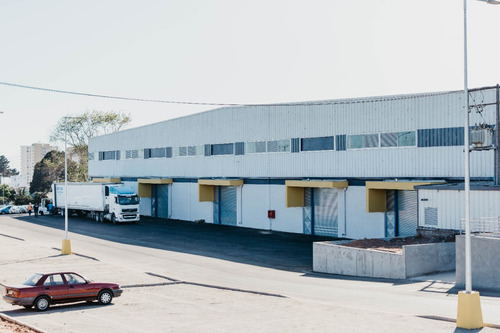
{"points": [[9, 327], [396, 244]]}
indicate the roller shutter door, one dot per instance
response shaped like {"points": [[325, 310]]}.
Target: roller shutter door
{"points": [[162, 201], [320, 213], [225, 206], [407, 213]]}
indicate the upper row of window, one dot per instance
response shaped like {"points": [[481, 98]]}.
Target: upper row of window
{"points": [[420, 138]]}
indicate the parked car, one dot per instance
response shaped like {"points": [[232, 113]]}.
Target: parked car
{"points": [[5, 209], [15, 210], [42, 290]]}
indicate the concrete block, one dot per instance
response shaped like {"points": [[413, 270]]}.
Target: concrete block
{"points": [[485, 261], [349, 261], [320, 256]]}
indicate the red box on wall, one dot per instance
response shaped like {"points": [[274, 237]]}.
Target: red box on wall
{"points": [[271, 214]]}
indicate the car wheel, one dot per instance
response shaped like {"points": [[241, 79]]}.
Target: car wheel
{"points": [[105, 297], [42, 303], [113, 218]]}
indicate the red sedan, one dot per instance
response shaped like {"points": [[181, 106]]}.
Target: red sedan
{"points": [[42, 290]]}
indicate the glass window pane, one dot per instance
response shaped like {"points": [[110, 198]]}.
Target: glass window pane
{"points": [[354, 141], [406, 139]]}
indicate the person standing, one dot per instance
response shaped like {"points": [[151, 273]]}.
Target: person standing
{"points": [[36, 209], [29, 209]]}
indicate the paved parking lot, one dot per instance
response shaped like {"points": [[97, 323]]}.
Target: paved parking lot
{"points": [[170, 286]]}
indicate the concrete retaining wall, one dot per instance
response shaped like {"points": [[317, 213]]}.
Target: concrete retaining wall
{"points": [[421, 259], [485, 255]]}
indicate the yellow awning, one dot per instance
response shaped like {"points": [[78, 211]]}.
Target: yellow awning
{"points": [[144, 185], [206, 187], [376, 192], [295, 189]]}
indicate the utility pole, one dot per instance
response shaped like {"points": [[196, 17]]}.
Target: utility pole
{"points": [[497, 138]]}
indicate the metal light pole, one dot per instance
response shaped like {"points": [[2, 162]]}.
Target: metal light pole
{"points": [[469, 314], [3, 192], [66, 243]]}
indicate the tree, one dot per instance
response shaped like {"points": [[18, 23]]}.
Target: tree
{"points": [[6, 194], [78, 130], [5, 170], [51, 169]]}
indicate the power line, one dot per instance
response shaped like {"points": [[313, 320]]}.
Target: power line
{"points": [[113, 97], [310, 103]]}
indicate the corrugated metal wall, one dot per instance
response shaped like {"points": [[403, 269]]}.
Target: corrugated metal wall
{"points": [[264, 123], [449, 206]]}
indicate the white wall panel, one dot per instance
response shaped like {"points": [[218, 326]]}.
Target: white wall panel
{"points": [[361, 224], [450, 205]]}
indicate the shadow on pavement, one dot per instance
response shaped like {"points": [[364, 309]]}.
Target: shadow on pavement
{"points": [[279, 250]]}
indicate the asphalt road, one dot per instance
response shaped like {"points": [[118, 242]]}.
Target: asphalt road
{"points": [[185, 277], [277, 250]]}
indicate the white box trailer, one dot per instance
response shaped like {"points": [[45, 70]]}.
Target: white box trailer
{"points": [[102, 201]]}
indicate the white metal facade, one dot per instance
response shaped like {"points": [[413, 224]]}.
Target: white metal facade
{"points": [[435, 113]]}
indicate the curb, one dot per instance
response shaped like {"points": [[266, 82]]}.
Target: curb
{"points": [[17, 322]]}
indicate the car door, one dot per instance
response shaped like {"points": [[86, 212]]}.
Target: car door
{"points": [[55, 287], [79, 287]]}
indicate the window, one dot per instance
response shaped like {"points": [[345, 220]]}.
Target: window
{"points": [[255, 147], [91, 156], [239, 148], [362, 141], [341, 142], [154, 153], [108, 155], [398, 139], [131, 154], [74, 279], [53, 279], [295, 145], [435, 137], [168, 152], [222, 149], [179, 151], [278, 146], [195, 150], [320, 143]]}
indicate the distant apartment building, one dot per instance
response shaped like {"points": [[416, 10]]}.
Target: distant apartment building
{"points": [[31, 155]]}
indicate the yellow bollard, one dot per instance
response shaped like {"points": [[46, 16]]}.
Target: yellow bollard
{"points": [[469, 315], [66, 246]]}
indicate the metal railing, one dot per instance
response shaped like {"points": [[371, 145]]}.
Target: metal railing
{"points": [[483, 225]]}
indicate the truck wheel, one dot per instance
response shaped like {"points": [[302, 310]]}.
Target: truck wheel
{"points": [[96, 216], [101, 217], [113, 218]]}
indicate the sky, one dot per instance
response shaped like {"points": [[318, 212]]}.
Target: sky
{"points": [[228, 51]]}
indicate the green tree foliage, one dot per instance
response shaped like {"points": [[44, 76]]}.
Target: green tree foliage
{"points": [[51, 169], [6, 194], [21, 198], [5, 169], [78, 130]]}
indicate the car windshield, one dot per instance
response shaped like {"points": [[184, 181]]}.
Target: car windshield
{"points": [[133, 200], [32, 280]]}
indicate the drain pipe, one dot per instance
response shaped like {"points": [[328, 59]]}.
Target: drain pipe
{"points": [[345, 212]]}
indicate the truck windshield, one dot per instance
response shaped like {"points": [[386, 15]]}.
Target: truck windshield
{"points": [[134, 200]]}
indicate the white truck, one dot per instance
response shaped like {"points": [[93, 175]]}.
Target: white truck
{"points": [[102, 201]]}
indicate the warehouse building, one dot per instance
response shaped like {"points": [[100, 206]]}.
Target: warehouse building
{"points": [[366, 167]]}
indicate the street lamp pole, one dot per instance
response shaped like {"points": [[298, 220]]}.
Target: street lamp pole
{"points": [[66, 243], [469, 313]]}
